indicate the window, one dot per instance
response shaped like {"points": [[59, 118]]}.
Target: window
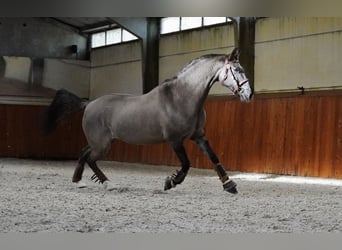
{"points": [[98, 39], [113, 36], [169, 24], [190, 22], [174, 24], [109, 37], [214, 20], [127, 36]]}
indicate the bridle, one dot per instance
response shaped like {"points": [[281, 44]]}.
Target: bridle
{"points": [[238, 83]]}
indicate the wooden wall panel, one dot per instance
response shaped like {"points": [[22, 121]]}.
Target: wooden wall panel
{"points": [[337, 154], [3, 130], [21, 134], [282, 134]]}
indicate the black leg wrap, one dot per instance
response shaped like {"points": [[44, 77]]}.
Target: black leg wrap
{"points": [[221, 172], [230, 186], [174, 179]]}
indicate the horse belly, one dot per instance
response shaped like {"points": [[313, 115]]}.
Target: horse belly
{"points": [[139, 137], [139, 131]]}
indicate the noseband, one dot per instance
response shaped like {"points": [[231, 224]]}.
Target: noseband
{"points": [[238, 84]]}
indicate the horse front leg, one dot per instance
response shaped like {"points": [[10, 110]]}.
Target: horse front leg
{"points": [[228, 184], [179, 176]]}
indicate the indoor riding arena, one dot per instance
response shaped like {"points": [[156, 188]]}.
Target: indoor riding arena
{"points": [[126, 148]]}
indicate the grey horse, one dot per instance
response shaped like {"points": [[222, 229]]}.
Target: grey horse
{"points": [[171, 112]]}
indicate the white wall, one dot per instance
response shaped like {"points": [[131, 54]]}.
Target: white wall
{"points": [[116, 69], [73, 75], [298, 51], [17, 68]]}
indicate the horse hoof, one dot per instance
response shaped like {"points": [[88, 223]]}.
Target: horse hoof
{"points": [[230, 186], [232, 190], [108, 186], [168, 183], [81, 184]]}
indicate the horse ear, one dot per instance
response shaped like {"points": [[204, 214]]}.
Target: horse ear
{"points": [[234, 56]]}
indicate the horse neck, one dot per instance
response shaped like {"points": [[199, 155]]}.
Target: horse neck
{"points": [[193, 86]]}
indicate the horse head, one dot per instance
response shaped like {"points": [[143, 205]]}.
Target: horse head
{"points": [[232, 76]]}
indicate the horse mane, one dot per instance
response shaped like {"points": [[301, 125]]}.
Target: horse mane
{"points": [[199, 59], [194, 62]]}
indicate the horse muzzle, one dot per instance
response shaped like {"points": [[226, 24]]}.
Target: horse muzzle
{"points": [[245, 93]]}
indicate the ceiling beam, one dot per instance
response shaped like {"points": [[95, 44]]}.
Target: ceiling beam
{"points": [[62, 24], [99, 26]]}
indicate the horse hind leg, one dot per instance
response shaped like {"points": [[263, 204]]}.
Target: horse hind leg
{"points": [[85, 156], [80, 167], [98, 175]]}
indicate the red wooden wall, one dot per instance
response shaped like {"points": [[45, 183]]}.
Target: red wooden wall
{"points": [[281, 134], [21, 136]]}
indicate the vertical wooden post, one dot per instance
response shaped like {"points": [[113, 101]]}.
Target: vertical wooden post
{"points": [[150, 55], [245, 41]]}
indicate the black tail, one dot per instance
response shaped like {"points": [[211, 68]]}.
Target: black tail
{"points": [[63, 103]]}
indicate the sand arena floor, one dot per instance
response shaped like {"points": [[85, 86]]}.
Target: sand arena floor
{"points": [[38, 196]]}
